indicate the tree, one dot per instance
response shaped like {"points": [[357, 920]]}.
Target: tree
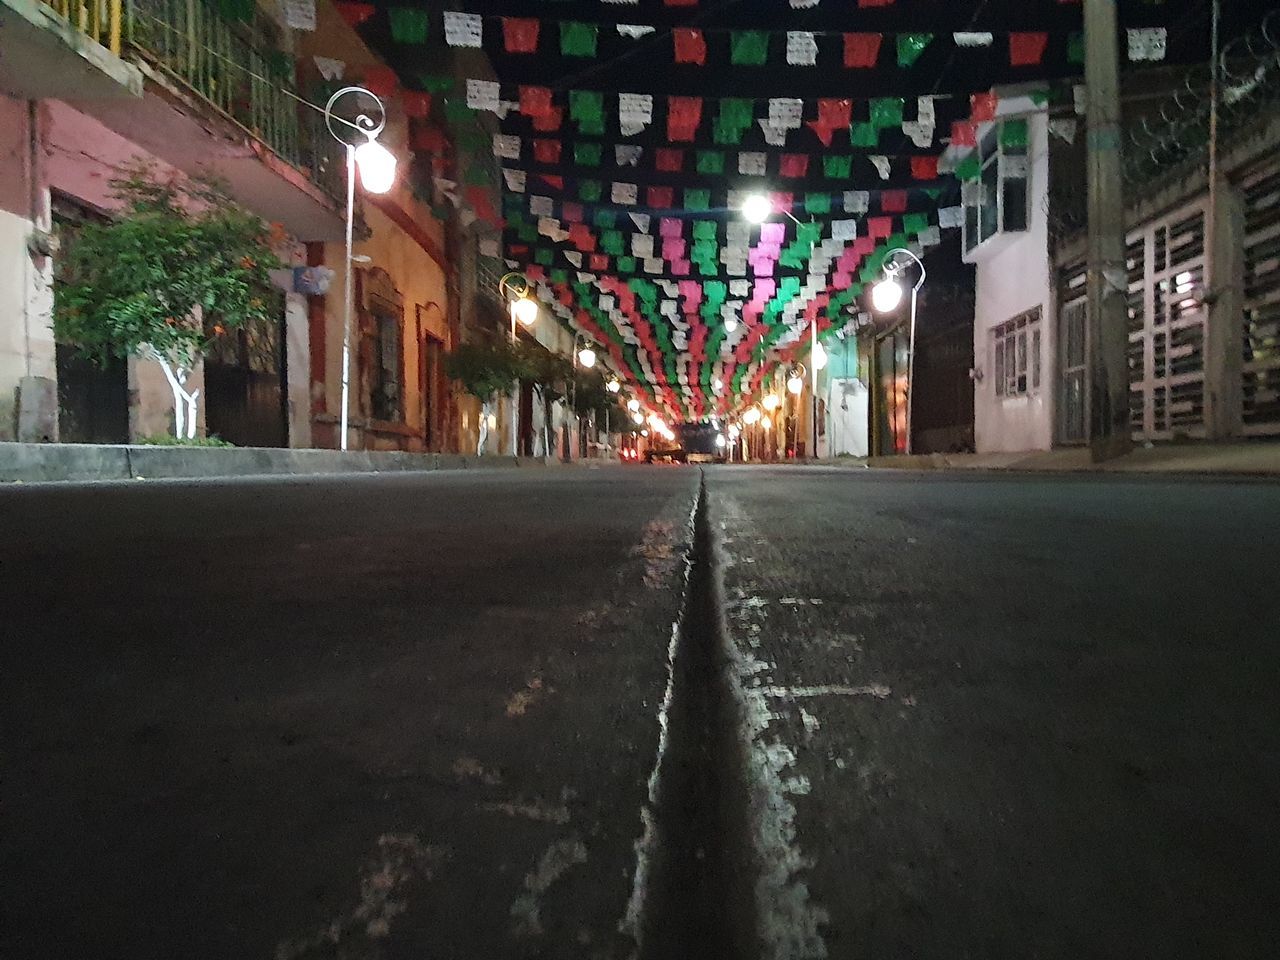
{"points": [[550, 374], [180, 266], [484, 369]]}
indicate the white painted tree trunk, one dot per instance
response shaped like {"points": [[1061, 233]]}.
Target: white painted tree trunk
{"points": [[184, 401]]}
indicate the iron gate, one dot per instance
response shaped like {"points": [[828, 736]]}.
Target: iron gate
{"points": [[1261, 336]]}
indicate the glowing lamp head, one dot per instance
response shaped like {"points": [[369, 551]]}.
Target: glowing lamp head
{"points": [[752, 416], [720, 441], [634, 406], [756, 208], [795, 385], [637, 417], [887, 294], [730, 325], [767, 423], [613, 386], [771, 402], [525, 309], [587, 357], [377, 166], [819, 356]]}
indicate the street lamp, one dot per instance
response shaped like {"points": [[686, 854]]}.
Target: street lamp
{"points": [[515, 288], [885, 296], [756, 208], [587, 357], [614, 385], [633, 405], [377, 166], [771, 402]]}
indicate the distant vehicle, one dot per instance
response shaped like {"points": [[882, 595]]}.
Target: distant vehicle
{"points": [[693, 443]]}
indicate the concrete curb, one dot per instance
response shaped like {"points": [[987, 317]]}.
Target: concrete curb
{"points": [[76, 462]]}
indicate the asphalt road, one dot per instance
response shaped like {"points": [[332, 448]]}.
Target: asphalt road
{"points": [[911, 716]]}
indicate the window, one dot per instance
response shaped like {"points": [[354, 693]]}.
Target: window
{"points": [[384, 379], [997, 199], [1017, 355]]}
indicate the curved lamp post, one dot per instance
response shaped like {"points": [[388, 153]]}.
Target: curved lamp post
{"points": [[377, 166], [885, 297], [756, 208], [515, 288]]}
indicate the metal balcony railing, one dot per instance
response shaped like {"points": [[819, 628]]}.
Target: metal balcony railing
{"points": [[99, 20], [250, 85]]}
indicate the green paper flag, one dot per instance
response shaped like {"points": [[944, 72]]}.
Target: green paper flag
{"points": [[749, 48], [592, 128], [933, 193], [1075, 48], [586, 105], [1013, 133], [807, 233], [725, 133], [604, 219], [836, 167], [560, 275], [542, 256], [590, 190], [457, 110], [626, 264], [476, 175], [587, 154], [864, 135], [915, 223], [611, 242], [817, 203], [577, 39], [710, 161], [969, 168], [910, 46], [435, 82], [704, 230], [408, 24], [472, 140], [697, 199], [1039, 97], [887, 112]]}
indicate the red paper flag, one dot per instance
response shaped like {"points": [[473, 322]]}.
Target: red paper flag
{"points": [[875, 3], [982, 107], [793, 165], [690, 46], [862, 49], [833, 114], [681, 3], [924, 168], [580, 236], [669, 159], [549, 121], [863, 246], [784, 202], [964, 133], [1027, 49], [661, 197], [534, 271], [535, 101], [427, 137], [381, 81], [417, 104], [571, 212], [598, 262], [893, 201], [520, 34], [355, 13], [552, 180], [684, 114], [546, 151], [880, 227]]}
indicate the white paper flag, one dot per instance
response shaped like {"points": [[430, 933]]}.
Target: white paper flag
{"points": [[627, 155], [574, 257], [330, 68], [1014, 167], [641, 220], [844, 230], [950, 217], [516, 179], [634, 30], [857, 201], [541, 206], [1064, 129], [621, 2], [973, 39], [641, 245], [803, 4], [550, 227], [1079, 98], [971, 193], [489, 247], [467, 216], [802, 48], [752, 164], [1148, 43], [300, 14], [653, 265], [483, 95], [624, 193], [774, 135], [635, 112], [881, 164], [463, 29], [921, 134], [786, 112], [926, 111], [930, 237], [586, 278], [506, 145]]}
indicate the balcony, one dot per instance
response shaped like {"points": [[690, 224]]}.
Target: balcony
{"points": [[62, 48], [217, 102]]}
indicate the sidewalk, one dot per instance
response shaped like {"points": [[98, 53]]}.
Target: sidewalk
{"points": [[1252, 458], [43, 462]]}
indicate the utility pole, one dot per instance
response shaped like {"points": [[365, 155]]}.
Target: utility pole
{"points": [[1110, 434]]}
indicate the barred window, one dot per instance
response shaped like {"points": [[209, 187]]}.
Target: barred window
{"points": [[1017, 355]]}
